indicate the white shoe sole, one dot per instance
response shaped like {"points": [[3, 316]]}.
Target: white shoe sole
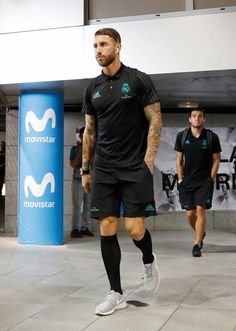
{"points": [[121, 305]]}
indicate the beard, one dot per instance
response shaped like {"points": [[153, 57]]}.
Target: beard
{"points": [[106, 61], [197, 126]]}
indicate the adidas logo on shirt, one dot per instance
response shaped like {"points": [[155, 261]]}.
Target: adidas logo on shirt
{"points": [[97, 95]]}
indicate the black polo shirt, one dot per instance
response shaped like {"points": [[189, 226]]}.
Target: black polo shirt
{"points": [[197, 155], [118, 104]]}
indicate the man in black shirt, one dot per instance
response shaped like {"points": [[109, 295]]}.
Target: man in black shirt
{"points": [[123, 128], [197, 162]]}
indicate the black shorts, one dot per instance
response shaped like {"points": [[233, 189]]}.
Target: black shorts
{"points": [[196, 195], [127, 191]]}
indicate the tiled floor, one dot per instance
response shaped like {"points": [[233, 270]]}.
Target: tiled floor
{"points": [[56, 288]]}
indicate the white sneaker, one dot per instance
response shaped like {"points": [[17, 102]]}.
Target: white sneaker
{"points": [[151, 276], [113, 301]]}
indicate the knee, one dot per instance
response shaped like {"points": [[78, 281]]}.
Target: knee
{"points": [[201, 210], [136, 231], [190, 213], [109, 226]]}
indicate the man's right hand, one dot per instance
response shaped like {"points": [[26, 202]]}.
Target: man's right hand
{"points": [[86, 182]]}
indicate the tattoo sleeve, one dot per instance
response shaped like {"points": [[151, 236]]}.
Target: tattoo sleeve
{"points": [[153, 115], [89, 141]]}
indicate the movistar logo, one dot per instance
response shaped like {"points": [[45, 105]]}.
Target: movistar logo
{"points": [[97, 95], [38, 189], [37, 124], [149, 208], [187, 142]]}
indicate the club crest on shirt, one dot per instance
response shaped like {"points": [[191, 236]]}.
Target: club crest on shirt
{"points": [[204, 144], [125, 90]]}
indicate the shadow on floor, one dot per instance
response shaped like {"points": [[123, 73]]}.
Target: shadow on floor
{"points": [[209, 248]]}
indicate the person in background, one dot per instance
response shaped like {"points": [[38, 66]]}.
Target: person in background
{"points": [[123, 124], [2, 165], [80, 199], [197, 162]]}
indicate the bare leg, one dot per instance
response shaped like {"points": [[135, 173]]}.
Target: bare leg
{"points": [[191, 216], [197, 220], [109, 226], [135, 226], [200, 224]]}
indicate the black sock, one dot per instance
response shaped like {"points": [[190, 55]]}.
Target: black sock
{"points": [[145, 245], [111, 255]]}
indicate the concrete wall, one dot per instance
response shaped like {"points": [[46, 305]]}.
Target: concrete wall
{"points": [[163, 221]]}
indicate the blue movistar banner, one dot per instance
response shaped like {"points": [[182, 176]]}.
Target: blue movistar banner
{"points": [[41, 141]]}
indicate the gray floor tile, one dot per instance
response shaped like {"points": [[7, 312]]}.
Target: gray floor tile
{"points": [[149, 318], [38, 325], [40, 294], [12, 314], [57, 288], [75, 311], [195, 319]]}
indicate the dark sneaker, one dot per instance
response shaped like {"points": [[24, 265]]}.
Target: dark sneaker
{"points": [[75, 233], [112, 302], [196, 251], [204, 235], [87, 233]]}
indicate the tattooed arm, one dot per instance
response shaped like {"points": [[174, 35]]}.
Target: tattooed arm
{"points": [[89, 143], [153, 115]]}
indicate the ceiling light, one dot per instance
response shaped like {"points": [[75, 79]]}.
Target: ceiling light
{"points": [[188, 104]]}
